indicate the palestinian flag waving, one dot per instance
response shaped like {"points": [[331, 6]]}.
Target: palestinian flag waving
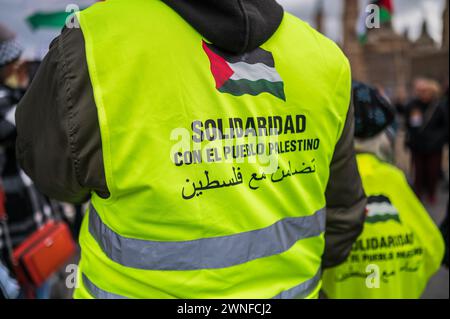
{"points": [[251, 73], [386, 11]]}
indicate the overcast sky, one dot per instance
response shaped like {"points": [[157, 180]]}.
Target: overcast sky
{"points": [[408, 19]]}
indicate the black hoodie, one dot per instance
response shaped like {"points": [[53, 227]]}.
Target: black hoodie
{"points": [[59, 110]]}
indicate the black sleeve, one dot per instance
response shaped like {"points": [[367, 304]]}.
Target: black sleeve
{"points": [[346, 199], [58, 142]]}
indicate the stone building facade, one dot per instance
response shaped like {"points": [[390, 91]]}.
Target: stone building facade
{"points": [[391, 61]]}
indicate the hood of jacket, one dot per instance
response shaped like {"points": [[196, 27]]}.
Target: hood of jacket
{"points": [[236, 26]]}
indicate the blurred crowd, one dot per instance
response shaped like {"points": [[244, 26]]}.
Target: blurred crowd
{"points": [[24, 208]]}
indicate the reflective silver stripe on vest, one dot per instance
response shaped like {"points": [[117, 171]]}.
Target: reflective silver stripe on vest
{"points": [[97, 292], [303, 290], [298, 292], [205, 253]]}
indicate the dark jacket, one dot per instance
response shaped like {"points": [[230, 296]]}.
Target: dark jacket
{"points": [[59, 143], [432, 134]]}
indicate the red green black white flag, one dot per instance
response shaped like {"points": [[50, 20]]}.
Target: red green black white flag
{"points": [[386, 9], [250, 73]]}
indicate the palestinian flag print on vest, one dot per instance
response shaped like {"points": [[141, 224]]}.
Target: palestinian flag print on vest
{"points": [[380, 209], [250, 73]]}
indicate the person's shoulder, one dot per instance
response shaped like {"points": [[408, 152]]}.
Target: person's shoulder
{"points": [[370, 164], [327, 48], [71, 37]]}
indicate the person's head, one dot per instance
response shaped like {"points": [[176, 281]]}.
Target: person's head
{"points": [[426, 90], [10, 52], [374, 122]]}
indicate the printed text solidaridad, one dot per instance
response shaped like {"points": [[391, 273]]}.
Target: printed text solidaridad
{"points": [[253, 128]]}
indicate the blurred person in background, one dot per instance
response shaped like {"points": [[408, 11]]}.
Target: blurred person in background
{"points": [[427, 132], [25, 207], [400, 247]]}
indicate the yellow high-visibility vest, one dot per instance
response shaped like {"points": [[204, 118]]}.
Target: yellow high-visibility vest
{"points": [[400, 247], [217, 164]]}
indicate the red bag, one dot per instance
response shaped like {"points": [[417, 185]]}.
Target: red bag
{"points": [[43, 253]]}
